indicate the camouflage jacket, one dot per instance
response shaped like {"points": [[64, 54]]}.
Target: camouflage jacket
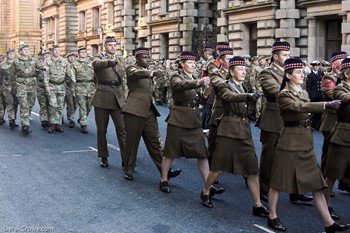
{"points": [[25, 71], [84, 75], [7, 80], [58, 73]]}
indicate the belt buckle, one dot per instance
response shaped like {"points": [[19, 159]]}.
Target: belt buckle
{"points": [[113, 84]]}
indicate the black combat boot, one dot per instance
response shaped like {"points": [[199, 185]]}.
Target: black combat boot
{"points": [[26, 130], [12, 124]]}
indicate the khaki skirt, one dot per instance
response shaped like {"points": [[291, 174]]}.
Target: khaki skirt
{"points": [[338, 161], [235, 156], [296, 172], [183, 142]]}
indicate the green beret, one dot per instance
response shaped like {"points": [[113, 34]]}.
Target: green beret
{"points": [[81, 48], [22, 46], [10, 50], [55, 46], [70, 54]]}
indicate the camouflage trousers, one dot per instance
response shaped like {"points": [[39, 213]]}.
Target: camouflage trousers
{"points": [[56, 105], [84, 103], [26, 99], [71, 105], [43, 103], [11, 104], [2, 107], [259, 106]]}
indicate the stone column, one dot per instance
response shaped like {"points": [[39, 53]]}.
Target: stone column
{"points": [[345, 29], [287, 30], [312, 40], [128, 23], [223, 21]]}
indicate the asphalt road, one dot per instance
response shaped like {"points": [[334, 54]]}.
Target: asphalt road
{"points": [[53, 183]]}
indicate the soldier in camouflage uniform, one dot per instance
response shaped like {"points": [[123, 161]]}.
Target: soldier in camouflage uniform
{"points": [[41, 93], [24, 69], [8, 87], [256, 87], [248, 85], [84, 87], [170, 69], [58, 74], [159, 85], [2, 101], [70, 101]]}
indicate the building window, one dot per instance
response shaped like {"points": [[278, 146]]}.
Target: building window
{"points": [[164, 6], [82, 21], [94, 49], [164, 46], [333, 37], [253, 39], [142, 12], [95, 17], [111, 13]]}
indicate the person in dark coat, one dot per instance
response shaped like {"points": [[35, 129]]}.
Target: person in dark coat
{"points": [[295, 168], [338, 154], [313, 88], [234, 152], [185, 137]]}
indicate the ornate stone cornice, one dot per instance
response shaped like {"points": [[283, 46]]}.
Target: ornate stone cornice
{"points": [[253, 7]]}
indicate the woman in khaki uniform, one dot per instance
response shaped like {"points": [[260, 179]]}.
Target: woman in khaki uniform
{"points": [[295, 168], [234, 152], [185, 136], [338, 154]]}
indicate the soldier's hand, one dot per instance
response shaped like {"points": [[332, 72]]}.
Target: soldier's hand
{"points": [[253, 97], [335, 104], [158, 74], [203, 81], [112, 63]]}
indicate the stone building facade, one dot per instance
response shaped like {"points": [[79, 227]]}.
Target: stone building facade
{"points": [[20, 23], [314, 28]]}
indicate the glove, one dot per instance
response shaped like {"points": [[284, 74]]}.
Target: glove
{"points": [[112, 63], [253, 97], [335, 104]]}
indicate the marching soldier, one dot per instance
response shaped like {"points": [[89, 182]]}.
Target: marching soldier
{"points": [[7, 83], [24, 68], [329, 117], [218, 75], [2, 101], [59, 72], [70, 98], [41, 93], [109, 98], [140, 114], [270, 121], [84, 87]]}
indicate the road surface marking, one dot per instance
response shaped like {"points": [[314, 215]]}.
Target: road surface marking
{"points": [[34, 113], [79, 151], [113, 147], [263, 228], [93, 148]]}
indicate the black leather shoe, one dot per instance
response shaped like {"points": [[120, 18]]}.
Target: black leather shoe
{"points": [[164, 186], [276, 224], [84, 129], [293, 197], [173, 173], [206, 201], [128, 177], [215, 190], [333, 214], [261, 211], [104, 162], [343, 186], [71, 124], [58, 129], [12, 124], [45, 124], [26, 130], [336, 227], [51, 128], [264, 196], [216, 182]]}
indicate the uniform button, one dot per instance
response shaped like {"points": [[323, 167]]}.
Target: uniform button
{"points": [[245, 105], [309, 114]]}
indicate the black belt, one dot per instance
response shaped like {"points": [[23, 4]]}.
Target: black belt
{"points": [[302, 123], [109, 83], [192, 104], [235, 114], [85, 81], [271, 99], [55, 83]]}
